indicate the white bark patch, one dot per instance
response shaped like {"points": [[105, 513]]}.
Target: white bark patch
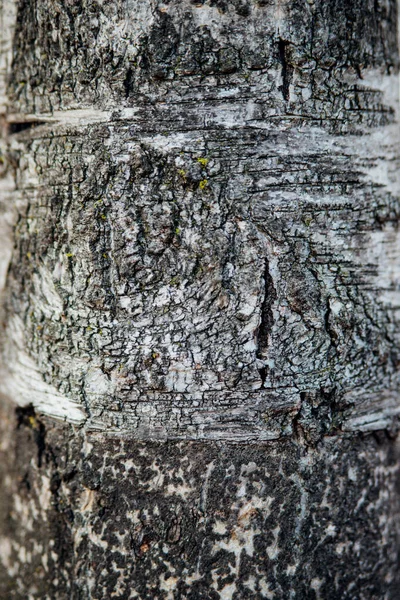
{"points": [[8, 12], [22, 382], [47, 298], [7, 218], [72, 117]]}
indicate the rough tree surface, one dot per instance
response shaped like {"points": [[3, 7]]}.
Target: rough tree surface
{"points": [[200, 274]]}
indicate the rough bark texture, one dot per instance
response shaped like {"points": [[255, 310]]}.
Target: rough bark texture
{"points": [[200, 273], [108, 518], [206, 232]]}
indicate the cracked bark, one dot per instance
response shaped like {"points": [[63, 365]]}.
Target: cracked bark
{"points": [[200, 299], [266, 322]]}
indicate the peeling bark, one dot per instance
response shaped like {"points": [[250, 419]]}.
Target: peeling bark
{"points": [[200, 272]]}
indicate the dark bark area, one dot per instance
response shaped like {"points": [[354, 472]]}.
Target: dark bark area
{"points": [[103, 517]]}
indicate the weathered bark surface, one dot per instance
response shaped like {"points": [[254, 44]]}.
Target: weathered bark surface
{"points": [[108, 518], [206, 233], [200, 273]]}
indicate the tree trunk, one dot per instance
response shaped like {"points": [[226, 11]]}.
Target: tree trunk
{"points": [[200, 299]]}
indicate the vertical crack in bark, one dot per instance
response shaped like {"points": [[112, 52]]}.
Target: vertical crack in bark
{"points": [[266, 320], [327, 321], [287, 69]]}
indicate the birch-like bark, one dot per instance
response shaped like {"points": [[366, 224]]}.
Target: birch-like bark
{"points": [[200, 271]]}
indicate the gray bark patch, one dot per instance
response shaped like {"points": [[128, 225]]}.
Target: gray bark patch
{"points": [[205, 199]]}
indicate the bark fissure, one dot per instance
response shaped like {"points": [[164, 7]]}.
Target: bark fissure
{"points": [[266, 320], [287, 68]]}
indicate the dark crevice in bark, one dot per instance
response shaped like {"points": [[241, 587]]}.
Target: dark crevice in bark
{"points": [[327, 320], [287, 68], [19, 126], [128, 82], [266, 320]]}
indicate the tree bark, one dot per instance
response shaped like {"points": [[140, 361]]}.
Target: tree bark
{"points": [[200, 299]]}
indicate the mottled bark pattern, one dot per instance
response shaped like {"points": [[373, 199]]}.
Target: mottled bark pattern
{"points": [[96, 519]]}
